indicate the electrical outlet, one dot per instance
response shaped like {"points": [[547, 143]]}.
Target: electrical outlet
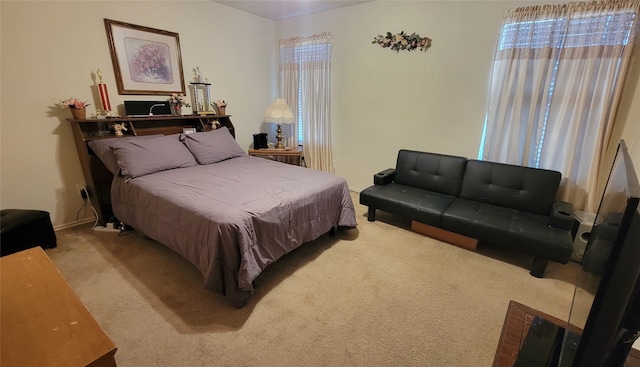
{"points": [[84, 194]]}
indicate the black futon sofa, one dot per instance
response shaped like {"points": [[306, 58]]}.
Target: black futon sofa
{"points": [[498, 204]]}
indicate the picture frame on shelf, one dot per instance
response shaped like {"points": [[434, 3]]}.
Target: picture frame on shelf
{"points": [[145, 60]]}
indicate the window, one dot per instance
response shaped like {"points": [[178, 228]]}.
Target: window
{"points": [[556, 79], [304, 55], [305, 83]]}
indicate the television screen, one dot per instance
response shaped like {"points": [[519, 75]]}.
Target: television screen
{"points": [[604, 315]]}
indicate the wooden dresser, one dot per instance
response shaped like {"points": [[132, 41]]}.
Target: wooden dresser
{"points": [[44, 323]]}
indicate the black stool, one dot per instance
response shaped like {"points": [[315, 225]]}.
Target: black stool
{"points": [[22, 229]]}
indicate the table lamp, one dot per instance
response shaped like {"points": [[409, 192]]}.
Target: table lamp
{"points": [[278, 113]]}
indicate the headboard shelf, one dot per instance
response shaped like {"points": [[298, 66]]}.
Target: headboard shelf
{"points": [[91, 129], [97, 177]]}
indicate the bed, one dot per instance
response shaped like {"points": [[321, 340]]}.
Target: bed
{"points": [[229, 214]]}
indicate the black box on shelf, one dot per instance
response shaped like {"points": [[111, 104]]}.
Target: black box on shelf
{"points": [[146, 108], [260, 141]]}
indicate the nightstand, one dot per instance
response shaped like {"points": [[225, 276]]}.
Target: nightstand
{"points": [[274, 154]]}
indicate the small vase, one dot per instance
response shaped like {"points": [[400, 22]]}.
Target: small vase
{"points": [[79, 114], [222, 111], [175, 110]]}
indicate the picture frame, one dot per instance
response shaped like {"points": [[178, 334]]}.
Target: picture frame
{"points": [[188, 130], [145, 60]]}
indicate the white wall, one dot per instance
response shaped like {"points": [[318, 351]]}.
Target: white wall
{"points": [[628, 118], [50, 49], [382, 100], [433, 101]]}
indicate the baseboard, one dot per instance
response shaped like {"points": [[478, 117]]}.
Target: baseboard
{"points": [[446, 236], [74, 224]]}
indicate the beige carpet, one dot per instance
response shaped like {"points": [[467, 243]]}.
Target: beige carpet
{"points": [[379, 295]]}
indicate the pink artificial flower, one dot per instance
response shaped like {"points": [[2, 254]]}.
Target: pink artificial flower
{"points": [[74, 103]]}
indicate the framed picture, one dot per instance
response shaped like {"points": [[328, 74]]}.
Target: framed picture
{"points": [[188, 130], [145, 60]]}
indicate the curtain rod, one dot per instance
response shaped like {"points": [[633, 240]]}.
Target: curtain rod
{"points": [[315, 37], [574, 6]]}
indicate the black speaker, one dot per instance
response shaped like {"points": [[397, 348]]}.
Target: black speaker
{"points": [[260, 141]]}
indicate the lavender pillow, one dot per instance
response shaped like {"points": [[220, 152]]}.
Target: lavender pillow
{"points": [[143, 157], [102, 149], [212, 146]]}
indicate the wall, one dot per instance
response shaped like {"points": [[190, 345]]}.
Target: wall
{"points": [[628, 118], [434, 101], [50, 49]]}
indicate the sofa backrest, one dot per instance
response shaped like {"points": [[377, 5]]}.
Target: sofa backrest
{"points": [[430, 171], [522, 188]]}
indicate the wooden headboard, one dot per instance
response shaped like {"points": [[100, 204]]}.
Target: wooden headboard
{"points": [[97, 177]]}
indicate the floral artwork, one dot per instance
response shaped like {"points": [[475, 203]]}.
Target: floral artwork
{"points": [[402, 41], [148, 61], [145, 60]]}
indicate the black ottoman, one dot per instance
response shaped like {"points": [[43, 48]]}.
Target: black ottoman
{"points": [[22, 229]]}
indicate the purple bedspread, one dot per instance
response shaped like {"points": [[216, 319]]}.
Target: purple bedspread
{"points": [[233, 218]]}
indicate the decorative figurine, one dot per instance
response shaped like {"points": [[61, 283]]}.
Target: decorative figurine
{"points": [[197, 75], [119, 128]]}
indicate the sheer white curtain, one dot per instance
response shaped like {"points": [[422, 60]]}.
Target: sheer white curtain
{"points": [[305, 83], [556, 82]]}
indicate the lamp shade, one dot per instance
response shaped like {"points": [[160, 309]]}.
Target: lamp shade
{"points": [[278, 112]]}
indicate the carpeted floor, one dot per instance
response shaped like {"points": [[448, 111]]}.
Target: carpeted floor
{"points": [[379, 295]]}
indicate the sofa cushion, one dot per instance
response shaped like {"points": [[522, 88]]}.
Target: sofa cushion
{"points": [[418, 204], [515, 187], [429, 171], [527, 232]]}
